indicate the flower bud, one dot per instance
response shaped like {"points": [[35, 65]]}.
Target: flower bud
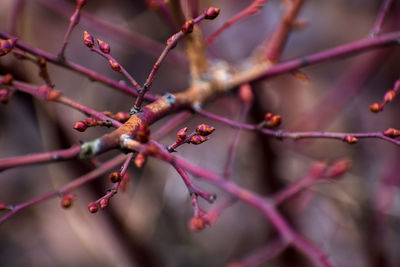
{"points": [[187, 27], [268, 116], [53, 95], [140, 160], [6, 45], [88, 39], [389, 96], [338, 168], [275, 121], [108, 114], [122, 116], [114, 65], [204, 129], [391, 132], [80, 126], [198, 139], [66, 201], [350, 139], [115, 177], [90, 122], [172, 41], [375, 107], [211, 13], [104, 47], [104, 203], [197, 224], [4, 207], [93, 207], [245, 93], [181, 134]]}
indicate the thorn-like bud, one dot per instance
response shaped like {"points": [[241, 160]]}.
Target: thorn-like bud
{"points": [[6, 45], [275, 121], [198, 139], [115, 177], [245, 93], [80, 126], [181, 134], [122, 116], [211, 13], [90, 122], [188, 27], [66, 201], [143, 133], [53, 95], [93, 207], [4, 96], [197, 224], [391, 132], [7, 79], [140, 160], [338, 168], [88, 39], [350, 139], [81, 3], [104, 203], [114, 65], [104, 47], [389, 96], [204, 129], [172, 40], [375, 107]]}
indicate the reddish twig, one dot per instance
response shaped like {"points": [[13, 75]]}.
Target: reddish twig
{"points": [[252, 9], [74, 20], [381, 15], [103, 168]]}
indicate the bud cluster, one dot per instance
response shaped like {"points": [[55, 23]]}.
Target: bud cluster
{"points": [[196, 137], [271, 120], [388, 97], [66, 200], [6, 45], [350, 139]]}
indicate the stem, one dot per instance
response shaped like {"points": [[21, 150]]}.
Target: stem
{"points": [[381, 15], [103, 168]]}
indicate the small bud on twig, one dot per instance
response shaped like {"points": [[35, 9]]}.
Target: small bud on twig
{"points": [[114, 65], [375, 107], [88, 39], [172, 40], [389, 96], [181, 135], [350, 139], [104, 203], [204, 129], [140, 160], [391, 132], [90, 122], [80, 126], [198, 139], [211, 13], [7, 45], [7, 79], [66, 201], [104, 47], [93, 207], [115, 177], [81, 3], [4, 96], [187, 27], [122, 116]]}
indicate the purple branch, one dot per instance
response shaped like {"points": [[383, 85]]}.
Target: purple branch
{"points": [[381, 15], [74, 20], [130, 38], [95, 76], [59, 155], [103, 168]]}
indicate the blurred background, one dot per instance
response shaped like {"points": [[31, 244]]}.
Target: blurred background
{"points": [[355, 220]]}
